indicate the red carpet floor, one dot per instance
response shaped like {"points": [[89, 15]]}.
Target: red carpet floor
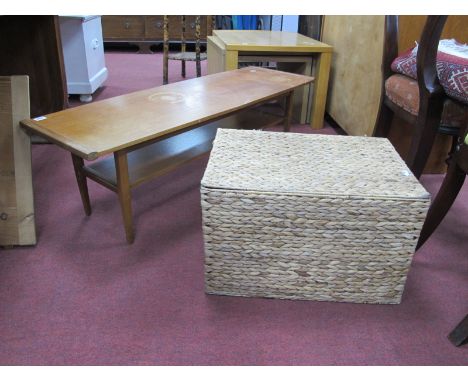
{"points": [[82, 296]]}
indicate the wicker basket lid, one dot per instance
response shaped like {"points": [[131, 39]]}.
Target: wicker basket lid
{"points": [[310, 164]]}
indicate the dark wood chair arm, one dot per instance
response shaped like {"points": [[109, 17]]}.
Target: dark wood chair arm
{"points": [[390, 45], [426, 58]]}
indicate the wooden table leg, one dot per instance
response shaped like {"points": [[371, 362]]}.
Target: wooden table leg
{"points": [[320, 90], [231, 60], [166, 51], [123, 190], [78, 164], [288, 111]]}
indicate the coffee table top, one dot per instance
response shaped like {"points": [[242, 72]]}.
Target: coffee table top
{"points": [[103, 127], [256, 40]]}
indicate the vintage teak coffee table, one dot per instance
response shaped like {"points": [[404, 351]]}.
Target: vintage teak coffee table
{"points": [[152, 131]]}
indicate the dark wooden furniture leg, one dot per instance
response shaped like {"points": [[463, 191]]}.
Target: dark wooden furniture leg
{"points": [[425, 133], [197, 46], [183, 47], [459, 335], [78, 164], [288, 111], [444, 199], [384, 121], [166, 50], [123, 190]]}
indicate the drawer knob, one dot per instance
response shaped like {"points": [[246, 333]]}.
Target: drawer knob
{"points": [[159, 24], [3, 216], [127, 25], [192, 25]]}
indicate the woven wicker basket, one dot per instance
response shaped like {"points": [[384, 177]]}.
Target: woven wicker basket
{"points": [[302, 216]]}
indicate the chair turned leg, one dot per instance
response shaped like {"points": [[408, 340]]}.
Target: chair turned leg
{"points": [[165, 67], [444, 199], [384, 122], [183, 68], [166, 50], [459, 335], [198, 68], [197, 45]]}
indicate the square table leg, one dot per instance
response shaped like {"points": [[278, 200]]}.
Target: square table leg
{"points": [[78, 164], [123, 191], [288, 111], [320, 90], [231, 60]]}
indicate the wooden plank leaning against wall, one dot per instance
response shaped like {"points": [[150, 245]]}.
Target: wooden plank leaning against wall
{"points": [[16, 194], [356, 78]]}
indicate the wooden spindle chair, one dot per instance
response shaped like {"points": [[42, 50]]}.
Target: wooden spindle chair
{"points": [[183, 55]]}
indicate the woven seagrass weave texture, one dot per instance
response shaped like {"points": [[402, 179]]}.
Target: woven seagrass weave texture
{"points": [[264, 238], [309, 164]]}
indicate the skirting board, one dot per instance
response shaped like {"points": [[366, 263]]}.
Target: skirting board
{"points": [[90, 86]]}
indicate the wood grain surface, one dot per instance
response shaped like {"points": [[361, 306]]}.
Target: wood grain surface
{"points": [[269, 41], [355, 78], [17, 225], [117, 123]]}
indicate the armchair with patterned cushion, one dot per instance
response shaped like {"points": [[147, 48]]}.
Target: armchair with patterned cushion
{"points": [[426, 86]]}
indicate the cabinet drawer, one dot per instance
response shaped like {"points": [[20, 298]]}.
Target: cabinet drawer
{"points": [[154, 27], [190, 27], [175, 28], [123, 27]]}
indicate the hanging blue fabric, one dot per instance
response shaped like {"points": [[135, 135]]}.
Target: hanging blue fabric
{"points": [[235, 22], [246, 22]]}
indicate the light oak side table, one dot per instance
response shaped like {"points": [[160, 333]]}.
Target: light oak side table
{"points": [[227, 48]]}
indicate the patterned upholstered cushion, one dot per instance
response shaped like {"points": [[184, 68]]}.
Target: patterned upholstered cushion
{"points": [[404, 92], [452, 67], [405, 63]]}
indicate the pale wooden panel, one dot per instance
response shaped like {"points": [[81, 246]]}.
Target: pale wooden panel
{"points": [[356, 77], [16, 195], [216, 55], [8, 220]]}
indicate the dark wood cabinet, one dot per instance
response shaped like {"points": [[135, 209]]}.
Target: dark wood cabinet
{"points": [[123, 27], [145, 31], [154, 27], [32, 45]]}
